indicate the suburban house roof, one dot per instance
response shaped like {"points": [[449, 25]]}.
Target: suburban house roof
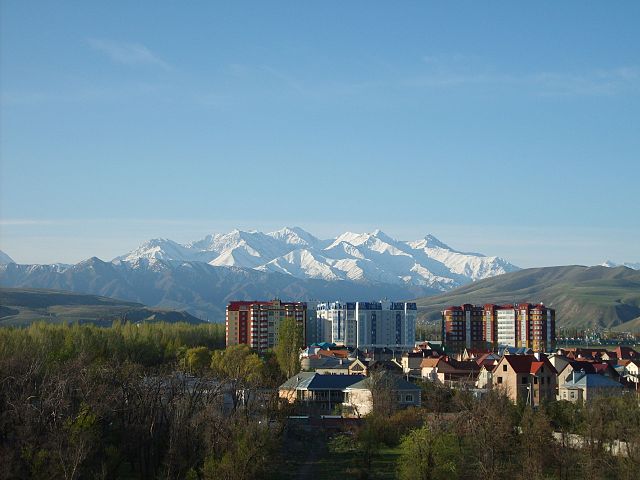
{"points": [[587, 367], [589, 380], [335, 362], [507, 350], [626, 353], [389, 365], [342, 353], [527, 363], [628, 362], [429, 362], [317, 381], [398, 383]]}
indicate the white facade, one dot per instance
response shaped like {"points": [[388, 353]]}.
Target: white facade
{"points": [[506, 324], [368, 324]]}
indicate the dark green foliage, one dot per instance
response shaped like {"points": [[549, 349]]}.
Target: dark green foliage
{"points": [[87, 402]]}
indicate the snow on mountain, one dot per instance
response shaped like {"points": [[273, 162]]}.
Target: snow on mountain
{"points": [[294, 236], [373, 257], [160, 249], [5, 259], [303, 264], [611, 264]]}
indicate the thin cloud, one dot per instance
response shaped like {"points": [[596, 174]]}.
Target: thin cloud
{"points": [[457, 70], [128, 53]]}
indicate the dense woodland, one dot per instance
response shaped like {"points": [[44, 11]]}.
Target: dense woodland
{"points": [[165, 401]]}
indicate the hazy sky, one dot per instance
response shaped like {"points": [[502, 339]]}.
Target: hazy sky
{"points": [[509, 129]]}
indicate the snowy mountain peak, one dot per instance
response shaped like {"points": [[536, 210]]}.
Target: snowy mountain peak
{"points": [[294, 236], [373, 257], [612, 264], [5, 259], [429, 241], [160, 249]]}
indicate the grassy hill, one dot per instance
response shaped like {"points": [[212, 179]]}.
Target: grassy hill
{"points": [[22, 306], [582, 296]]}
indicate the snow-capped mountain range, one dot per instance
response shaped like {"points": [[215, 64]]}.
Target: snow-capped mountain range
{"points": [[203, 276], [359, 257], [612, 264]]}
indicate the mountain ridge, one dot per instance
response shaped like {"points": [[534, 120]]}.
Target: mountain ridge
{"points": [[20, 306], [372, 257], [598, 296]]}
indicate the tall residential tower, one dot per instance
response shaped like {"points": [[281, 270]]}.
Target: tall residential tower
{"points": [[520, 325]]}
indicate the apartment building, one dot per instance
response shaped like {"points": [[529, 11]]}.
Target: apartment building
{"points": [[367, 324], [522, 325], [256, 323]]}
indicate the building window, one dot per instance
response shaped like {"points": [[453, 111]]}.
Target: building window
{"points": [[504, 368], [408, 398], [499, 379]]}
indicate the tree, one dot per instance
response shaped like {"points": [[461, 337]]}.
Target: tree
{"points": [[535, 437], [428, 455], [287, 349], [489, 428], [382, 385], [198, 358], [239, 368]]}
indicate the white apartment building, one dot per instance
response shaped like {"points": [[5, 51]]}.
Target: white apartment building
{"points": [[367, 324]]}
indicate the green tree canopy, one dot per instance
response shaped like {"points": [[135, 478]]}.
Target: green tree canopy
{"points": [[287, 350]]}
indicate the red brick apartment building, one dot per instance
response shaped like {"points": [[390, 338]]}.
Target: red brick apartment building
{"points": [[520, 325], [256, 323]]}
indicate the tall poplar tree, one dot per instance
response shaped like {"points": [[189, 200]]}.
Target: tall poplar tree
{"points": [[287, 349]]}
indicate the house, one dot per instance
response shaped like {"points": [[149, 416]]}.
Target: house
{"points": [[317, 392], [525, 378], [599, 368], [342, 366], [411, 361], [473, 354], [450, 372], [631, 371], [626, 353], [391, 366], [584, 387], [359, 396], [488, 360], [559, 361], [510, 350]]}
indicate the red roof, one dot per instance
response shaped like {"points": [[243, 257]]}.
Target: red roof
{"points": [[528, 363], [626, 353]]}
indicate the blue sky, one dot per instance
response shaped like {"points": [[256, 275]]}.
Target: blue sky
{"points": [[509, 129]]}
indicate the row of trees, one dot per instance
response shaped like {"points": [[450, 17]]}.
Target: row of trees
{"points": [[136, 401], [148, 344]]}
